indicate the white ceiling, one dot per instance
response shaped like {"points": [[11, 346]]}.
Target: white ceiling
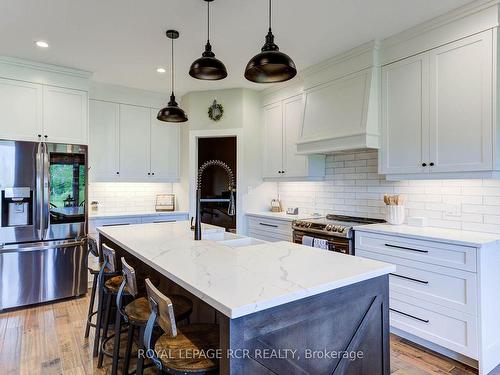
{"points": [[123, 41]]}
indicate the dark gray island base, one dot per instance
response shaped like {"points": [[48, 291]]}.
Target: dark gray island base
{"points": [[342, 331]]}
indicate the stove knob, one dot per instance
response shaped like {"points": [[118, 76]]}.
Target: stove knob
{"points": [[308, 225], [328, 227]]}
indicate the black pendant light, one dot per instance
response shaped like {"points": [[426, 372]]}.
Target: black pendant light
{"points": [[270, 65], [172, 112], [208, 67]]}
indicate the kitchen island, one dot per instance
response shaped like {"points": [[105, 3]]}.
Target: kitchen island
{"points": [[282, 308]]}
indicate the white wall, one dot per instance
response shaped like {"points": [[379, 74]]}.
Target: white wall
{"points": [[242, 117], [353, 187]]}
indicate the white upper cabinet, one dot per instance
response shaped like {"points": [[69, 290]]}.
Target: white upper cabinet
{"points": [[134, 142], [103, 140], [20, 110], [65, 115], [165, 150], [294, 165], [437, 112], [273, 140], [461, 105], [282, 129], [405, 116], [128, 143]]}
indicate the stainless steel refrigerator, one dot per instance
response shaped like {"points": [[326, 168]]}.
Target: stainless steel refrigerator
{"points": [[43, 222]]}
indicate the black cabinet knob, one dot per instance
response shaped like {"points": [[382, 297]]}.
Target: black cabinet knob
{"points": [[45, 136], [39, 136], [153, 173], [117, 172], [424, 164], [149, 174], [431, 164]]}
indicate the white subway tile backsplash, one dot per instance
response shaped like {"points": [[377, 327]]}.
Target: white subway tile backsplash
{"points": [[353, 187], [127, 197]]}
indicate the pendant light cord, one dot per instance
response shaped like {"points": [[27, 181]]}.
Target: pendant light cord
{"points": [[270, 10], [172, 70], [208, 21]]}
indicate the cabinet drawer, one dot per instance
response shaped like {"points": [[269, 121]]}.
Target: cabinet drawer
{"points": [[163, 218], [269, 225], [451, 329], [267, 236], [448, 287], [447, 255], [93, 224]]}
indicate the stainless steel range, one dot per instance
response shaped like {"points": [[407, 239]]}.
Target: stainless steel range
{"points": [[336, 229]]}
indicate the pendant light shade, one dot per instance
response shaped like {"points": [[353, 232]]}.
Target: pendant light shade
{"points": [[270, 65], [172, 112], [208, 67]]}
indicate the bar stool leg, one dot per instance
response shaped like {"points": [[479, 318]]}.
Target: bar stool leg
{"points": [[104, 335], [97, 334], [116, 344], [91, 305], [141, 352], [128, 351]]}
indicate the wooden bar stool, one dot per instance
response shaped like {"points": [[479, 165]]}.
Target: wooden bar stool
{"points": [[136, 314], [109, 281], [94, 268], [183, 344]]}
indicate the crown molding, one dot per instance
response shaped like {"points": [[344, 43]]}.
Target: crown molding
{"points": [[439, 21], [22, 63]]}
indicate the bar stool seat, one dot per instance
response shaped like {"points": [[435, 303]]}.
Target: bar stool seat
{"points": [[113, 284], [139, 309], [193, 338]]}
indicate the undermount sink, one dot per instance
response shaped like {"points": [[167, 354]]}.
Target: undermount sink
{"points": [[231, 239], [220, 236], [239, 242]]}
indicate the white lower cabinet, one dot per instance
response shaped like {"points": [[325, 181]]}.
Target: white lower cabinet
{"points": [[441, 293], [94, 223], [270, 230]]}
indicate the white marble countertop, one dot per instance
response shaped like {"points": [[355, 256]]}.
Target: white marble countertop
{"points": [[454, 236], [282, 215], [238, 281], [111, 214]]}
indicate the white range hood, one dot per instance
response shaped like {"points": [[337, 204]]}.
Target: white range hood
{"points": [[341, 105]]}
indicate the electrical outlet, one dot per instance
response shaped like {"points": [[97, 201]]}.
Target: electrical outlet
{"points": [[454, 209]]}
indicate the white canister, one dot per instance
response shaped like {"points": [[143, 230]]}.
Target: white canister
{"points": [[395, 215]]}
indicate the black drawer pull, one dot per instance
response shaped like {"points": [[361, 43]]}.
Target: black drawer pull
{"points": [[269, 225], [407, 248], [410, 316], [410, 278]]}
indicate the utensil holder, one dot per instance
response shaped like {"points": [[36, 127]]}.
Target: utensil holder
{"points": [[395, 215]]}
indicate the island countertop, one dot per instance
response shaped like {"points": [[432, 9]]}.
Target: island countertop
{"points": [[242, 280]]}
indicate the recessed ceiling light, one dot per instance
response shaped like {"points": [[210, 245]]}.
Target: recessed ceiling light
{"points": [[161, 70], [42, 44]]}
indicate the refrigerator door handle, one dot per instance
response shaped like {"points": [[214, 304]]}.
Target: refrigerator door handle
{"points": [[45, 200], [39, 190]]}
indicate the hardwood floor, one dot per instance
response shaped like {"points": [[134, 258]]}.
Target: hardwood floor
{"points": [[48, 339]]}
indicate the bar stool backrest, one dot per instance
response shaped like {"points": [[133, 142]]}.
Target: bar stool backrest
{"points": [[109, 258], [129, 277], [93, 248], [161, 309]]}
